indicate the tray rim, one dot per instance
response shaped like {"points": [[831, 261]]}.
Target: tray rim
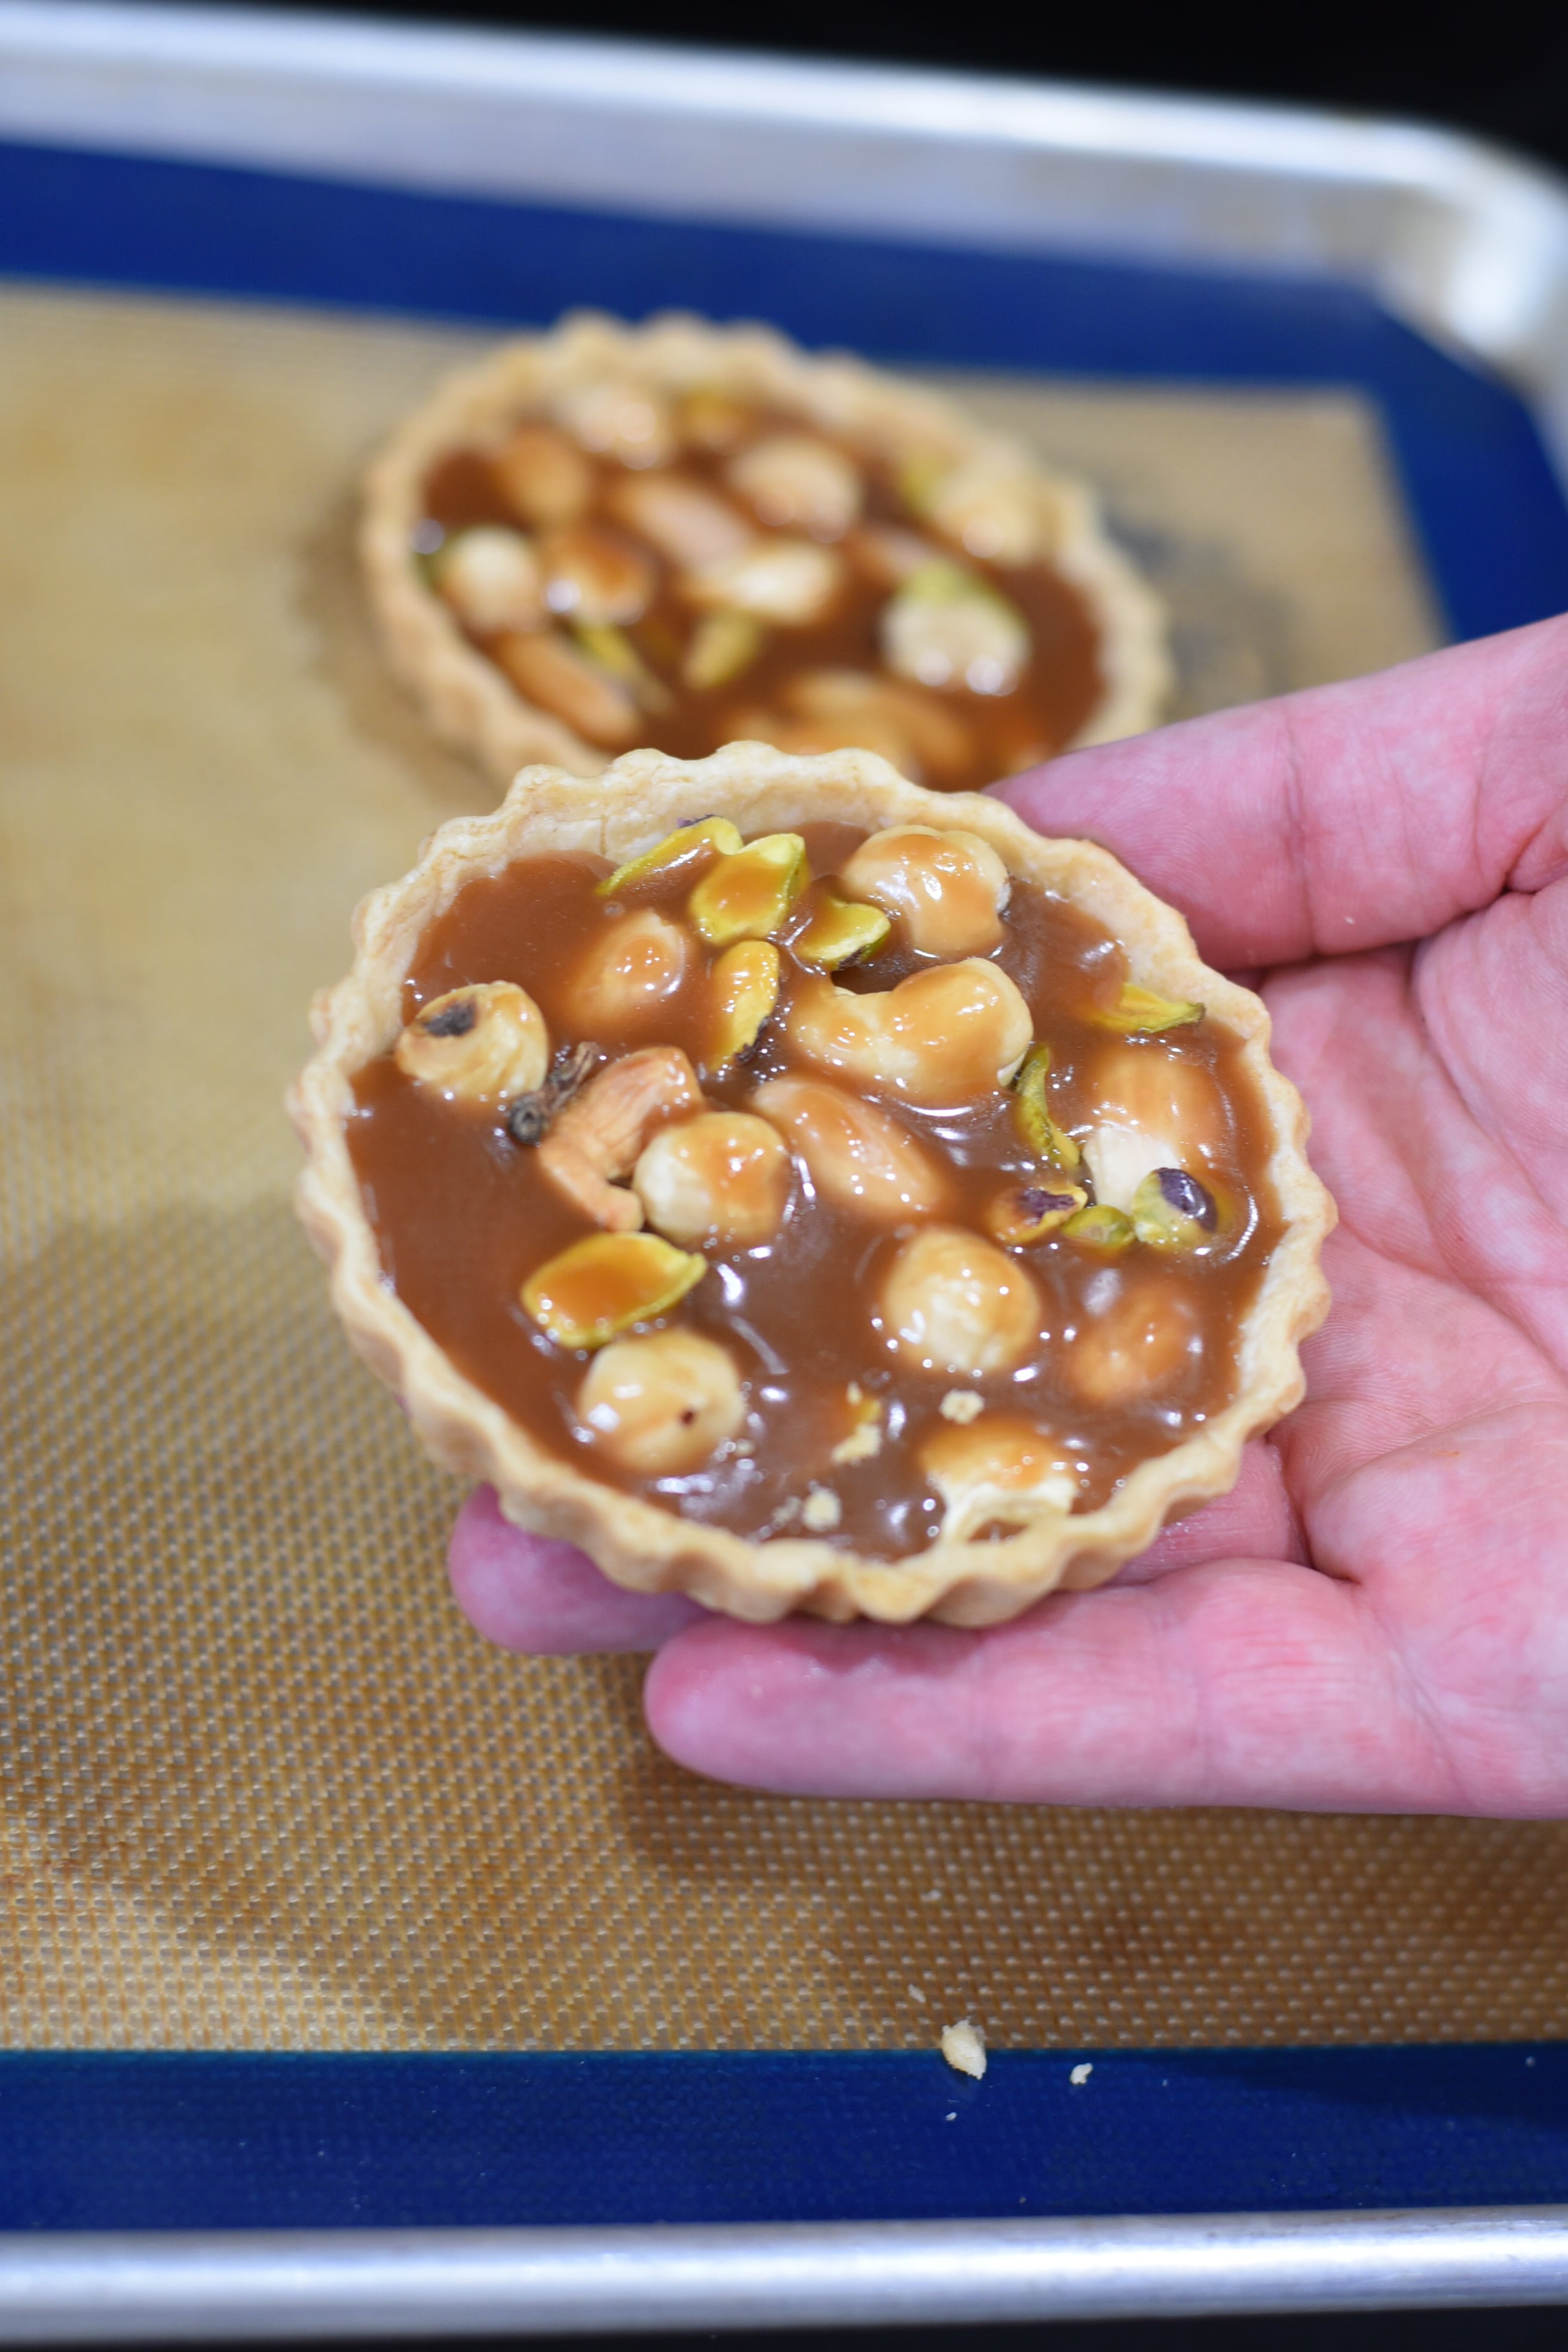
{"points": [[1464, 241]]}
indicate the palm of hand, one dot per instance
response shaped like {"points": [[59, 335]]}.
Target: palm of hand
{"points": [[1378, 1614]]}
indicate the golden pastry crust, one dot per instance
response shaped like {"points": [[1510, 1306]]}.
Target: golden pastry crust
{"points": [[639, 800], [473, 709]]}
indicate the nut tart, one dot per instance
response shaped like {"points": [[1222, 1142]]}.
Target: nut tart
{"points": [[683, 534], [808, 1191]]}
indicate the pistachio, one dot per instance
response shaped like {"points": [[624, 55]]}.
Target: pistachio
{"points": [[593, 574], [622, 985], [1150, 1108], [1100, 1227], [709, 833], [1032, 1111], [796, 482], [1140, 1009], [490, 577], [722, 646], [744, 982], [1139, 1344], [999, 1470], [747, 894], [952, 1303], [988, 505], [840, 932], [529, 1116], [615, 653], [619, 420], [599, 1287], [789, 581], [713, 420], [661, 1404], [1172, 1211], [553, 673], [863, 1440], [477, 1044], [722, 1177], [949, 889], [543, 476], [945, 1035], [689, 524], [1024, 1212], [946, 627], [856, 1154], [600, 1135]]}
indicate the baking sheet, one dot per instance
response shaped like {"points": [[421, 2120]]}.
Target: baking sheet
{"points": [[260, 1786]]}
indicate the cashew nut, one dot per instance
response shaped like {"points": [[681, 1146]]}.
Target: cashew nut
{"points": [[799, 483], [490, 577], [479, 1045], [660, 1404], [545, 476], [688, 524], [721, 1177], [623, 421], [548, 671], [950, 889], [942, 1036], [998, 1468], [792, 581], [624, 980], [952, 1303], [858, 1155], [598, 1138]]}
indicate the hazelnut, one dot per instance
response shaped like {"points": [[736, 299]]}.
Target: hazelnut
{"points": [[598, 1137], [548, 671], [661, 1404], [1149, 1109], [543, 476], [856, 1154], [790, 581], [480, 1045], [623, 421], [952, 1303], [1140, 1343], [601, 1287], [998, 1467], [593, 575], [796, 482], [949, 889], [947, 628], [624, 980], [722, 1177], [945, 1035], [688, 524], [490, 578]]}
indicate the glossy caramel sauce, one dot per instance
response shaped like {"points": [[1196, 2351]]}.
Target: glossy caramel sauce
{"points": [[997, 735], [463, 1215]]}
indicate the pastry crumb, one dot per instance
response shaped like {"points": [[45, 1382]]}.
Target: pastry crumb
{"points": [[963, 2047], [963, 1405], [862, 1445], [1079, 2075], [915, 1994], [821, 1511]]}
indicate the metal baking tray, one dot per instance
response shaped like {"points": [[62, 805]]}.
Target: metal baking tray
{"points": [[950, 221]]}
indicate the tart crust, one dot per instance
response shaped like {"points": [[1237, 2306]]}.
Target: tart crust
{"points": [[473, 709], [637, 1543]]}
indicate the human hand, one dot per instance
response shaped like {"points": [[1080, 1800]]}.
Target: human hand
{"points": [[1377, 1616]]}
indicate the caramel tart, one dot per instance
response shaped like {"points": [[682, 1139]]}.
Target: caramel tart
{"points": [[684, 534], [808, 1191]]}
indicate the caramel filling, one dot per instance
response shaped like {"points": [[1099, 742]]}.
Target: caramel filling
{"points": [[713, 572], [910, 1245]]}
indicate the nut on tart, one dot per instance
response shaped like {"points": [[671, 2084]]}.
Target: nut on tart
{"points": [[808, 1191], [682, 534]]}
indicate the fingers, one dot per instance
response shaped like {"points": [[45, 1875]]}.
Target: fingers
{"points": [[1350, 816], [526, 1592], [1243, 1682]]}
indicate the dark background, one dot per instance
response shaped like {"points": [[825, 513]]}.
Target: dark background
{"points": [[1500, 69]]}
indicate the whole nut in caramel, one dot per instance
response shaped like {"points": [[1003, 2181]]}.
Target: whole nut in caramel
{"points": [[940, 1290]]}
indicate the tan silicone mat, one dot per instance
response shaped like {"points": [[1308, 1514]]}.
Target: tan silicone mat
{"points": [[260, 1786]]}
